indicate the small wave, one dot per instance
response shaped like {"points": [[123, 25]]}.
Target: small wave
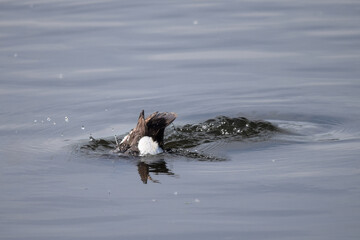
{"points": [[328, 130], [216, 129]]}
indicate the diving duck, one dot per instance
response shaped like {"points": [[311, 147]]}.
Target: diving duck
{"points": [[148, 135]]}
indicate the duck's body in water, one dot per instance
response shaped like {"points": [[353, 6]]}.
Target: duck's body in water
{"points": [[148, 135]]}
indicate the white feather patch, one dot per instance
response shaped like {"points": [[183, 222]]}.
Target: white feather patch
{"points": [[126, 138], [148, 146]]}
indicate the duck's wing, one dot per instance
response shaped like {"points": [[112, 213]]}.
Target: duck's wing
{"points": [[130, 142], [156, 124], [162, 119]]}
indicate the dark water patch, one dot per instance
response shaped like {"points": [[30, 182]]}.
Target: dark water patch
{"points": [[99, 144], [101, 147], [216, 129]]}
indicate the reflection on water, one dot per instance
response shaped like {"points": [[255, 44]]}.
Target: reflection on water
{"points": [[157, 167]]}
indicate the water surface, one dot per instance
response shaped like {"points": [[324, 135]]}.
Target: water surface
{"points": [[74, 69]]}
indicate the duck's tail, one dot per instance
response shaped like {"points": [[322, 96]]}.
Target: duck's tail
{"points": [[153, 126], [156, 124]]}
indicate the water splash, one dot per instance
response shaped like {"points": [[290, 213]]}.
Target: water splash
{"points": [[219, 128]]}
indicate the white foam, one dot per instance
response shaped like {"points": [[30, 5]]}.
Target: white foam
{"points": [[148, 146]]}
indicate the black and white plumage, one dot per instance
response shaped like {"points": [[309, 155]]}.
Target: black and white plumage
{"points": [[148, 135]]}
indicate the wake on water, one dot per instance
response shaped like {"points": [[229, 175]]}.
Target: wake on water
{"points": [[193, 140]]}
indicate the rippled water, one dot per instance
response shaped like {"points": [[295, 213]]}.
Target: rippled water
{"points": [[265, 146]]}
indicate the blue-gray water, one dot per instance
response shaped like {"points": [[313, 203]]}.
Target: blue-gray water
{"points": [[74, 68]]}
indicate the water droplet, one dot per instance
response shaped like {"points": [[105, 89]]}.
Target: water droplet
{"points": [[154, 200], [15, 55], [82, 127], [175, 193], [112, 129], [62, 134], [66, 119], [195, 22], [106, 110], [196, 200], [48, 119], [54, 123], [61, 76], [35, 121], [247, 125], [42, 121]]}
